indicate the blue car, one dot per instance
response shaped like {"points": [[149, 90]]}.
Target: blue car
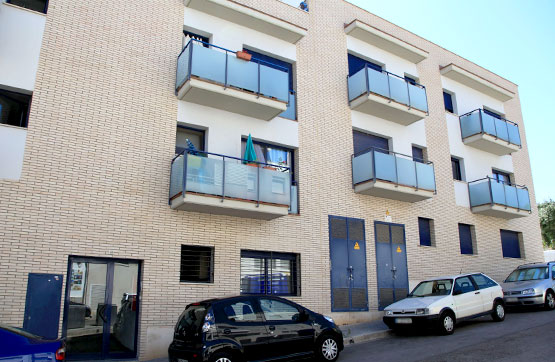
{"points": [[17, 344]]}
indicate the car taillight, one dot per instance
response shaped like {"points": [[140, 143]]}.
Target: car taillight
{"points": [[61, 353]]}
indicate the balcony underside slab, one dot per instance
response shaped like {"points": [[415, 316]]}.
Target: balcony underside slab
{"points": [[387, 109], [389, 190], [491, 144], [210, 204], [499, 211]]}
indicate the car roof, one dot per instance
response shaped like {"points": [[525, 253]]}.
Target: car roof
{"points": [[451, 276], [535, 265]]}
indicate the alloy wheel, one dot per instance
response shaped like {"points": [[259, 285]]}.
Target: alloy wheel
{"points": [[550, 301], [223, 359], [500, 311], [448, 323], [329, 349]]}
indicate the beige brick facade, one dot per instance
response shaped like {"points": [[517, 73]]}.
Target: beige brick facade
{"points": [[101, 137]]}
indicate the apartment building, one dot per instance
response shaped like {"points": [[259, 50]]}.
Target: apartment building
{"points": [[159, 153]]}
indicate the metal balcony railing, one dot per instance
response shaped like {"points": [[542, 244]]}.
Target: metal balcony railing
{"points": [[377, 164], [489, 191], [479, 122], [388, 85]]}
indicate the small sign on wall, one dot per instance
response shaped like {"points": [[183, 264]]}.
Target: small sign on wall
{"points": [[388, 217]]}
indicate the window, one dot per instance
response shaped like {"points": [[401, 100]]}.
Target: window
{"points": [[410, 79], [240, 312], [502, 177], [364, 141], [273, 63], [356, 64], [511, 244], [269, 273], [418, 154], [36, 5], [14, 108], [456, 167], [553, 272], [275, 310], [197, 264], [467, 239], [195, 136], [425, 231], [493, 114], [270, 154], [463, 285], [483, 282], [190, 35], [448, 101]]}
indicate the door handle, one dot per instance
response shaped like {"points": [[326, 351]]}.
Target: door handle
{"points": [[227, 331], [477, 293]]}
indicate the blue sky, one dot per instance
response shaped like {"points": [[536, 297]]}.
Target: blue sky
{"points": [[513, 38]]}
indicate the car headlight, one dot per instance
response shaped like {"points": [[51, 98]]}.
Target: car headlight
{"points": [[528, 291], [422, 311], [388, 312], [329, 319]]}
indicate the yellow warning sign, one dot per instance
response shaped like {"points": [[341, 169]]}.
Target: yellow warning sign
{"points": [[399, 249], [357, 247]]}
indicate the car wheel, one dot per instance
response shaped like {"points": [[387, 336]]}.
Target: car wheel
{"points": [[328, 349], [447, 323], [222, 357], [550, 301], [498, 313]]}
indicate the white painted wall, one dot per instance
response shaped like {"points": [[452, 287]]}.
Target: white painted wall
{"points": [[549, 255], [393, 63], [12, 148], [461, 193], [20, 42], [468, 99]]}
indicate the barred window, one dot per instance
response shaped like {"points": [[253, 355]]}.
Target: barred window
{"points": [[270, 273], [197, 264]]}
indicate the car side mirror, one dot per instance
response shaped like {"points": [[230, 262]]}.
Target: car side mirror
{"points": [[457, 292]]}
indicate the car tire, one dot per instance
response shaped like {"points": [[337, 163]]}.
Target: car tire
{"points": [[549, 300], [327, 349], [446, 323], [223, 357], [498, 312]]}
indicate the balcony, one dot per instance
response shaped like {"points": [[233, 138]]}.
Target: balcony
{"points": [[217, 184], [388, 96], [495, 198], [250, 18], [487, 133], [392, 175], [215, 77]]}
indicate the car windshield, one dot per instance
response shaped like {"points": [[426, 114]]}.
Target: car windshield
{"points": [[432, 288], [528, 274]]}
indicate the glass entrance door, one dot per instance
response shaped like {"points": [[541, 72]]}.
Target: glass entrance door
{"points": [[101, 308]]}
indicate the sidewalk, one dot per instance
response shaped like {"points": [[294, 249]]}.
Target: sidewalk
{"points": [[362, 332]]}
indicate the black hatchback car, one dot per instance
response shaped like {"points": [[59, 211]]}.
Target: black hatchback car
{"points": [[253, 328]]}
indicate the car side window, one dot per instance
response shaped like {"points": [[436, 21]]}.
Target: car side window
{"points": [[463, 285], [483, 282], [242, 311], [275, 310], [553, 272]]}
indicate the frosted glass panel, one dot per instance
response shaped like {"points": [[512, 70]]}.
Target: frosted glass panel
{"points": [[488, 122], [357, 84], [274, 83], [479, 193], [399, 89], [385, 167], [523, 199], [514, 135], [378, 82], [501, 129], [426, 176], [182, 67], [362, 168], [242, 74], [208, 63], [498, 192], [510, 196], [406, 172], [291, 111], [418, 98], [470, 124]]}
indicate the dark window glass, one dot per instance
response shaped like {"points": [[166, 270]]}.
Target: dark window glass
{"points": [[273, 63], [196, 137], [275, 310], [510, 244], [191, 320], [465, 238], [269, 273], [197, 264], [464, 285], [493, 114], [270, 154], [356, 64], [483, 282], [14, 108], [410, 80], [448, 101], [502, 177], [242, 311], [456, 167], [36, 5], [425, 232], [364, 141], [189, 35], [418, 154]]}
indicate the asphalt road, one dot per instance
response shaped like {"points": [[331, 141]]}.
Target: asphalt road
{"points": [[524, 335]]}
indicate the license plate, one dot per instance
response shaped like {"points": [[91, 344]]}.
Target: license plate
{"points": [[403, 320], [182, 360]]}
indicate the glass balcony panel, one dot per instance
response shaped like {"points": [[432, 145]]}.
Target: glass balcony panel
{"points": [[406, 171], [377, 82], [479, 193], [274, 83], [418, 98], [275, 186], [204, 175], [501, 129], [357, 84], [488, 122], [514, 134], [208, 63], [426, 177], [363, 167], [294, 209], [291, 111], [511, 196], [385, 167], [470, 124], [176, 181], [498, 192], [182, 67], [240, 180], [399, 90], [242, 74], [523, 199]]}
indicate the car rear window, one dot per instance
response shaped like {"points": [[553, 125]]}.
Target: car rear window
{"points": [[528, 274], [191, 320], [20, 331]]}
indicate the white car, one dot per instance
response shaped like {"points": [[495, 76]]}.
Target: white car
{"points": [[443, 302]]}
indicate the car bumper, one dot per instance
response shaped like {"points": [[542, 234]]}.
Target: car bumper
{"points": [[425, 321], [523, 301], [180, 353]]}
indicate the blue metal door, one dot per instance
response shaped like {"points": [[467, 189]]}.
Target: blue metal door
{"points": [[349, 285], [42, 304], [391, 263]]}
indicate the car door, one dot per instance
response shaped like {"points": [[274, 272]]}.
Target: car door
{"points": [[466, 297], [289, 334], [239, 320], [487, 289]]}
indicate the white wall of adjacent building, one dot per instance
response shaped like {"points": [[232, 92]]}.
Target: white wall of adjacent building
{"points": [[12, 149]]}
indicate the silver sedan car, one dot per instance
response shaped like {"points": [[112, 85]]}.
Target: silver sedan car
{"points": [[531, 285]]}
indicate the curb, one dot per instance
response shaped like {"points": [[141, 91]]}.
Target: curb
{"points": [[366, 337]]}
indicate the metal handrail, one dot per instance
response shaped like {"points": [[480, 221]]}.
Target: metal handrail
{"points": [[482, 131], [369, 149], [481, 109], [491, 178], [192, 151], [491, 201]]}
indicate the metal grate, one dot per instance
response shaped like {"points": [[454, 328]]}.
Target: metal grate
{"points": [[356, 229], [270, 273], [401, 293], [386, 297], [340, 298], [197, 264], [382, 233], [397, 235], [338, 228], [359, 298]]}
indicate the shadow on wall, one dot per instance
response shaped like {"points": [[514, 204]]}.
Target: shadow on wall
{"points": [[158, 340]]}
